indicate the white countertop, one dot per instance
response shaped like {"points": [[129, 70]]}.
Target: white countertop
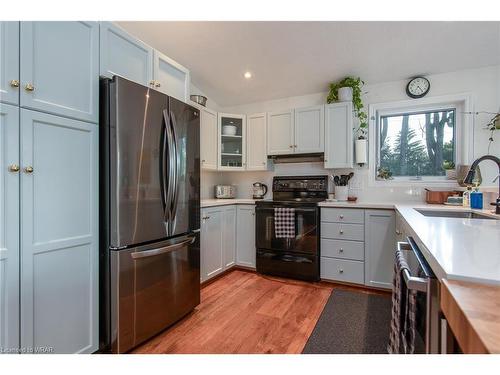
{"points": [[456, 248], [224, 202]]}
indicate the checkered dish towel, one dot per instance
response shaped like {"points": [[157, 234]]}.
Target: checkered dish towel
{"points": [[403, 325], [284, 222]]}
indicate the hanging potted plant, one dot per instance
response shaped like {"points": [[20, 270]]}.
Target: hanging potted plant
{"points": [[347, 89]]}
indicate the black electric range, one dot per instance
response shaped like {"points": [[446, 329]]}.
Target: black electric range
{"points": [[293, 253]]}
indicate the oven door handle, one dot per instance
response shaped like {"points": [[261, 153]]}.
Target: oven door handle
{"points": [[412, 282]]}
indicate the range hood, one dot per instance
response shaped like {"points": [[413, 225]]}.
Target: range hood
{"points": [[298, 158]]}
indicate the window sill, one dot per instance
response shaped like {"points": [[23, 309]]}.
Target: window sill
{"points": [[415, 183]]}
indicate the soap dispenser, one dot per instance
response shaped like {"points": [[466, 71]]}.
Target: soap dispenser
{"points": [[476, 199]]}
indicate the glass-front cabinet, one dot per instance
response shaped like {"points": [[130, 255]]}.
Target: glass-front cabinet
{"points": [[232, 142]]}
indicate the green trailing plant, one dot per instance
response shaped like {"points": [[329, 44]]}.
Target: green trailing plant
{"points": [[493, 125], [448, 165], [356, 84]]}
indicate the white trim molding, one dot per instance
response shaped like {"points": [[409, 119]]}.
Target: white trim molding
{"points": [[464, 136]]}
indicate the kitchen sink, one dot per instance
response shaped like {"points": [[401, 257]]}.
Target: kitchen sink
{"points": [[455, 214]]}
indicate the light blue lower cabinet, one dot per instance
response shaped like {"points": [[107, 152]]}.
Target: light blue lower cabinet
{"points": [[9, 228], [59, 226], [380, 239], [212, 242], [245, 239]]}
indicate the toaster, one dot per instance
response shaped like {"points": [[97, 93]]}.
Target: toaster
{"points": [[225, 191]]}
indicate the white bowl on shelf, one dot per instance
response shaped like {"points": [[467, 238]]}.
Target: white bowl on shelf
{"points": [[229, 130]]}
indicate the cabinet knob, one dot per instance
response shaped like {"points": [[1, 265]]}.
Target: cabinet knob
{"points": [[341, 270], [157, 84], [291, 146], [28, 169], [341, 217], [341, 250], [29, 87], [263, 163], [14, 83], [341, 231], [151, 83], [294, 146], [398, 232], [203, 161], [14, 168]]}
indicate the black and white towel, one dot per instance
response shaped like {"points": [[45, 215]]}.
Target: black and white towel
{"points": [[284, 222], [403, 324]]}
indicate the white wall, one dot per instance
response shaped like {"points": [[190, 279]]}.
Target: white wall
{"points": [[483, 84]]}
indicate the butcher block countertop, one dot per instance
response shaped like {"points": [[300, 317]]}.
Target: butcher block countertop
{"points": [[473, 314]]}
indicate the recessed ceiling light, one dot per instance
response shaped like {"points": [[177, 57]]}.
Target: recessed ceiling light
{"points": [[247, 75]]}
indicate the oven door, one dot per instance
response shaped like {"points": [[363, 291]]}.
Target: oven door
{"points": [[306, 230]]}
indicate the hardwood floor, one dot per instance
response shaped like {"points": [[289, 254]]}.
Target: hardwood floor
{"points": [[243, 312]]}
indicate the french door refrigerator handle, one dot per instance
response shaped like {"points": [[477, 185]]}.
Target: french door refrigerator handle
{"points": [[163, 250], [413, 283], [170, 171], [173, 211], [163, 165]]}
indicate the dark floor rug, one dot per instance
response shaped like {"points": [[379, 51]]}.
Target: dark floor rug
{"points": [[352, 323]]}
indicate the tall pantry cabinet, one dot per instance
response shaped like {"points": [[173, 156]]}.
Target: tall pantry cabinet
{"points": [[49, 187]]}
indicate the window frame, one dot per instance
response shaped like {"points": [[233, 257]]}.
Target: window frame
{"points": [[462, 133]]}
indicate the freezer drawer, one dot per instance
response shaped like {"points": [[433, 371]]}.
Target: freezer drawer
{"points": [[152, 287]]}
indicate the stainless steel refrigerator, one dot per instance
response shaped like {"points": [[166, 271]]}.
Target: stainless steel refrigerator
{"points": [[150, 204]]}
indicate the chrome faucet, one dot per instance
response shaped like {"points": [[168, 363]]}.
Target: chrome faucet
{"points": [[470, 176]]}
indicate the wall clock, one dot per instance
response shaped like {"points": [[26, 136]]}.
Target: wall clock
{"points": [[418, 87]]}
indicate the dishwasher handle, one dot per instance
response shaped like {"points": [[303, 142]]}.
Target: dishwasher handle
{"points": [[162, 250], [412, 282]]}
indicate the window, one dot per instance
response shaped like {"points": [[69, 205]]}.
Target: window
{"points": [[417, 144], [414, 140]]}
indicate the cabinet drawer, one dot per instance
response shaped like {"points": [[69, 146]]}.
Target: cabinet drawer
{"points": [[343, 249], [341, 231], [350, 271], [343, 215]]}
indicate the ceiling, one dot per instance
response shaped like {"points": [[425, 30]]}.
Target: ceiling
{"points": [[298, 58]]}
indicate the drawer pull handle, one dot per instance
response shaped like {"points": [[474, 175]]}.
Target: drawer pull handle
{"points": [[341, 270]]}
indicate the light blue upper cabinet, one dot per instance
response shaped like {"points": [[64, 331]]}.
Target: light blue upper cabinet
{"points": [[171, 77], [60, 68], [59, 226], [9, 62], [9, 228], [124, 55]]}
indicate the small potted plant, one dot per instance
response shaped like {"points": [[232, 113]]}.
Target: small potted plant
{"points": [[350, 88], [384, 173], [449, 167]]}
